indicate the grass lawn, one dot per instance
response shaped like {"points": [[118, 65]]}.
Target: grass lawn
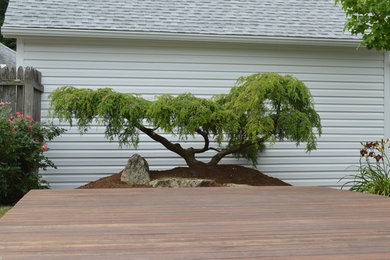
{"points": [[4, 209]]}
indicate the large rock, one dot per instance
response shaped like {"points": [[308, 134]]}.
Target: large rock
{"points": [[136, 171], [181, 183]]}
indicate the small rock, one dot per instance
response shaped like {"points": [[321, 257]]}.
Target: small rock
{"points": [[136, 171], [181, 183], [236, 185]]}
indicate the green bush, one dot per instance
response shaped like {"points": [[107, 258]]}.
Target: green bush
{"points": [[22, 147], [373, 171]]}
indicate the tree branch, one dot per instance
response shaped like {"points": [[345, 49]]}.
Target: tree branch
{"points": [[378, 17], [206, 142], [214, 149], [176, 148], [216, 158]]}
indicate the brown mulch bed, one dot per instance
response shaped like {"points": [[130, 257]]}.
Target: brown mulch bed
{"points": [[222, 174]]}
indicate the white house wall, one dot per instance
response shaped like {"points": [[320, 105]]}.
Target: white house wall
{"points": [[347, 85]]}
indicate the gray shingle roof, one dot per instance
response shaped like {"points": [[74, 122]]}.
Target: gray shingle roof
{"points": [[7, 56], [279, 18]]}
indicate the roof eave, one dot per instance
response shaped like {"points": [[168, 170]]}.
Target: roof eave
{"points": [[16, 32]]}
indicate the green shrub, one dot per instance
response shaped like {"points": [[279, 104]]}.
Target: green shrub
{"points": [[373, 170], [22, 147]]}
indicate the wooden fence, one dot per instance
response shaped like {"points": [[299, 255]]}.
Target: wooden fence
{"points": [[23, 88]]}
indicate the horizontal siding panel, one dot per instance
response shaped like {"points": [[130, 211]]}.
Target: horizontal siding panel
{"points": [[349, 100], [144, 138], [175, 162], [346, 83], [317, 100], [210, 60], [188, 57], [235, 70], [365, 124], [81, 157], [327, 130], [212, 75], [202, 49], [326, 115], [357, 98], [99, 172], [322, 146], [175, 79], [290, 155], [264, 65], [195, 84]]}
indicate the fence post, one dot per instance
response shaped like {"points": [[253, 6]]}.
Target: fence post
{"points": [[19, 90], [28, 92], [38, 90]]}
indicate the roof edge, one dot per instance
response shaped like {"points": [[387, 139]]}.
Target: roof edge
{"points": [[16, 32], [8, 48]]}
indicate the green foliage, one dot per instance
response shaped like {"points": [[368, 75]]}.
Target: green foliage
{"points": [[4, 209], [184, 114], [371, 18], [260, 108], [22, 144], [122, 114], [274, 106], [11, 43], [373, 171]]}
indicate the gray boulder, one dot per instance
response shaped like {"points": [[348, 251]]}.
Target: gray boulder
{"points": [[181, 183], [136, 171]]}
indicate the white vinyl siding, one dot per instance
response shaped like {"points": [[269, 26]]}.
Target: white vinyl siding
{"points": [[347, 85]]}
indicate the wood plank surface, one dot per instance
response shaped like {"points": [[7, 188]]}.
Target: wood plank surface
{"points": [[197, 223]]}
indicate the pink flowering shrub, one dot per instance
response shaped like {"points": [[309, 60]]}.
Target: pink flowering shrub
{"points": [[22, 147]]}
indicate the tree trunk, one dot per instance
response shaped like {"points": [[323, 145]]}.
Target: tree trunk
{"points": [[192, 162]]}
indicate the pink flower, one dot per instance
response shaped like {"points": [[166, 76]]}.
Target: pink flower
{"points": [[30, 127], [44, 147], [10, 121], [2, 103], [17, 113]]}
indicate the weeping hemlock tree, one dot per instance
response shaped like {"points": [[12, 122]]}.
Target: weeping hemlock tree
{"points": [[259, 108]]}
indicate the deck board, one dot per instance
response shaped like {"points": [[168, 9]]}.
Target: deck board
{"points": [[197, 223]]}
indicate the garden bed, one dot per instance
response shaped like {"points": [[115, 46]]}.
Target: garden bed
{"points": [[221, 174]]}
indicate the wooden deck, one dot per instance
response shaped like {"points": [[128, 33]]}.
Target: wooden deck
{"points": [[197, 223]]}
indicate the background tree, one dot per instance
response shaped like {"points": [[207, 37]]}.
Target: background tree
{"points": [[260, 108], [11, 43], [371, 18]]}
